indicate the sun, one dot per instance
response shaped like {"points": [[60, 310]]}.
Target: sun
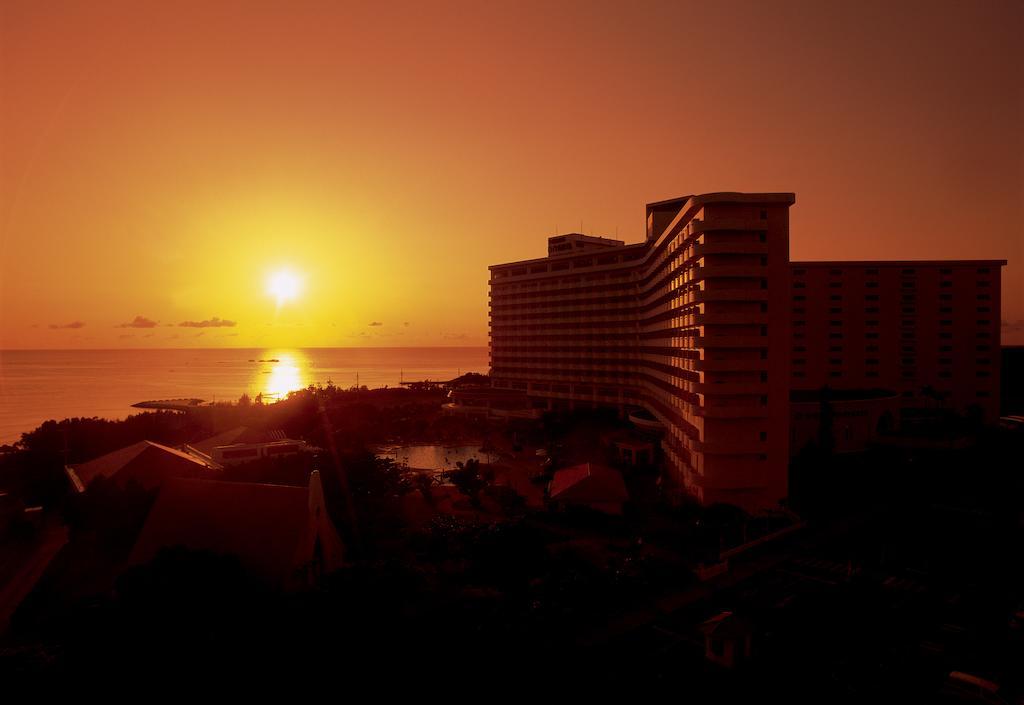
{"points": [[284, 286]]}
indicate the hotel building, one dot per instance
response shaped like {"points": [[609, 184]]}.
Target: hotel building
{"points": [[927, 331], [706, 327]]}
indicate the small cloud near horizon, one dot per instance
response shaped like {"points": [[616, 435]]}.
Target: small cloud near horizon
{"points": [[373, 324], [139, 322], [214, 322], [67, 326]]}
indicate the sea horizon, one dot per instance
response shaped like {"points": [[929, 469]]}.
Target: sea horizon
{"points": [[40, 385], [257, 347]]}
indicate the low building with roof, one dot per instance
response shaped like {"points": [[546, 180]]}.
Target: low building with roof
{"points": [[243, 444], [728, 639], [238, 434], [281, 534], [592, 485], [145, 463]]}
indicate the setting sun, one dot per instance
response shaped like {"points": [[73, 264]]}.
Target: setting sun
{"points": [[284, 286]]}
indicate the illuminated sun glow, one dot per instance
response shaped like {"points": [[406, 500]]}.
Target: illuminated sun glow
{"points": [[284, 286]]}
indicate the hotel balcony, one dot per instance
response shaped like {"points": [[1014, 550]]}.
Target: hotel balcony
{"points": [[732, 412], [713, 224], [730, 271], [731, 341], [731, 447], [730, 365], [729, 295], [753, 318], [729, 248], [729, 388]]}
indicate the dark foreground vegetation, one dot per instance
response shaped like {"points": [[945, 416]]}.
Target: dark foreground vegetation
{"points": [[909, 567]]}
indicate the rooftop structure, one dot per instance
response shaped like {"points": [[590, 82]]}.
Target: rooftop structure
{"points": [[596, 486], [146, 463], [279, 533]]}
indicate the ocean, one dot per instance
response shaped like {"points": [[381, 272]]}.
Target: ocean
{"points": [[37, 385]]}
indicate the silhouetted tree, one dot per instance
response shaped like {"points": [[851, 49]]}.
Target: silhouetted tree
{"points": [[467, 478]]}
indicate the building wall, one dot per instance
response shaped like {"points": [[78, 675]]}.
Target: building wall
{"points": [[917, 328]]}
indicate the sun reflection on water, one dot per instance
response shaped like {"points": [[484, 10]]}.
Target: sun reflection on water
{"points": [[283, 371]]}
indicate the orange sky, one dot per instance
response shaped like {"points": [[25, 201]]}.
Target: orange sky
{"points": [[159, 160]]}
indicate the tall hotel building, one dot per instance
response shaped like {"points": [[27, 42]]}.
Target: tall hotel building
{"points": [[693, 324], [708, 326]]}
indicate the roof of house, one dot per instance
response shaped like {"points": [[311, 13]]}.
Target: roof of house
{"points": [[146, 462], [726, 624], [262, 525], [588, 483], [238, 434]]}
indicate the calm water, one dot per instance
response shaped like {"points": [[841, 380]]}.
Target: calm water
{"points": [[435, 457], [55, 384]]}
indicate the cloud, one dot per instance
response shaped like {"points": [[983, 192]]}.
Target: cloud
{"points": [[406, 324], [62, 326], [375, 323], [214, 322], [139, 322]]}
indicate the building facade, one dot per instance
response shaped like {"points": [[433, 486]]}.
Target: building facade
{"points": [[928, 331], [692, 324], [708, 327]]}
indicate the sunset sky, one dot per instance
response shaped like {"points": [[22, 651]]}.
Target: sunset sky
{"points": [[160, 162]]}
